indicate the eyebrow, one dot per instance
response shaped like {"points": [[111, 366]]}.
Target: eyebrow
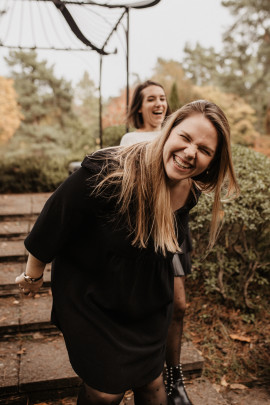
{"points": [[158, 96], [190, 138]]}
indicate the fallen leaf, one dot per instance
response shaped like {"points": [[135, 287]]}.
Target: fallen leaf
{"points": [[241, 338], [238, 387], [37, 335], [22, 351], [217, 387], [223, 381]]}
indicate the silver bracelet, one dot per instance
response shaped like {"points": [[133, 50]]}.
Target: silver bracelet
{"points": [[31, 280]]}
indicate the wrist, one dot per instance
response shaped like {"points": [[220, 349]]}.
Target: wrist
{"points": [[32, 280]]}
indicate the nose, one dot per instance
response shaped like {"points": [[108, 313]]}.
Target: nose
{"points": [[191, 151]]}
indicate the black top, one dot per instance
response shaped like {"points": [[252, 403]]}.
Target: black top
{"points": [[112, 301]]}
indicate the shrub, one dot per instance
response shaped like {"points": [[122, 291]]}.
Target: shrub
{"points": [[32, 174], [241, 256], [112, 135]]}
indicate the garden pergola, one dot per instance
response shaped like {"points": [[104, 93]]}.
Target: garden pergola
{"points": [[68, 25]]}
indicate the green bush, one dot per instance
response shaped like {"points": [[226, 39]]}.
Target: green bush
{"points": [[238, 266], [32, 174], [112, 135]]}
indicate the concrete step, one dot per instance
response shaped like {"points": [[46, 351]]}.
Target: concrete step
{"points": [[10, 270], [12, 250], [22, 204], [21, 314], [35, 365], [17, 228]]}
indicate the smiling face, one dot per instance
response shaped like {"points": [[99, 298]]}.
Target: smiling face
{"points": [[190, 148], [153, 108]]}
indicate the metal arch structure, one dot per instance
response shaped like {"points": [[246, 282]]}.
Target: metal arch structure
{"points": [[62, 6]]}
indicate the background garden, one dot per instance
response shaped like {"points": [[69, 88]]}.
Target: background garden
{"points": [[45, 123]]}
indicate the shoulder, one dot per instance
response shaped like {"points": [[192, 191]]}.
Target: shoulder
{"points": [[129, 138], [95, 162], [135, 137]]}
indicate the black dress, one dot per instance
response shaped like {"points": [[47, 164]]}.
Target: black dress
{"points": [[113, 302]]}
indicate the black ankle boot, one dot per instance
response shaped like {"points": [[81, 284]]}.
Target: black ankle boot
{"points": [[175, 386]]}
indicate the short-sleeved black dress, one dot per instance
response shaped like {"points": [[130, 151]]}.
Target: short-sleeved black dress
{"points": [[112, 301]]}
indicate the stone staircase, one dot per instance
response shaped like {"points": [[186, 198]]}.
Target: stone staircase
{"points": [[34, 366]]}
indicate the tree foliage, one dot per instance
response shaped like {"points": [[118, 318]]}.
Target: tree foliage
{"points": [[115, 110], [174, 102], [10, 113], [201, 65], [46, 103], [168, 72], [86, 102], [241, 115], [242, 66]]}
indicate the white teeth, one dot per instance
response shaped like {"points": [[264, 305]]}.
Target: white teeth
{"points": [[180, 164]]}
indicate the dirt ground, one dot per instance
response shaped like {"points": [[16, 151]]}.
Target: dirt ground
{"points": [[235, 346], [251, 396]]}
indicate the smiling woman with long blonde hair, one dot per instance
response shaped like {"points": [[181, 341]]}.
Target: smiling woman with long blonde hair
{"points": [[111, 230]]}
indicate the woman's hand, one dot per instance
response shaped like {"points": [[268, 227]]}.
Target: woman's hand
{"points": [[28, 287], [32, 279]]}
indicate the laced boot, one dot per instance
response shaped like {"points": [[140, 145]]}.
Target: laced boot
{"points": [[175, 386]]}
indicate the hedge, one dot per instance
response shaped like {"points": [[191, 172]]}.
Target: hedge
{"points": [[238, 266]]}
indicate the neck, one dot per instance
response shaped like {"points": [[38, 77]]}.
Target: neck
{"points": [[179, 192]]}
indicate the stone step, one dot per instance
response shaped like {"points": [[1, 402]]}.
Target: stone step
{"points": [[11, 250], [22, 204], [37, 365], [33, 364], [21, 314], [18, 228], [10, 270]]}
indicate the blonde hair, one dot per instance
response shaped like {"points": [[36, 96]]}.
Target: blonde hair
{"points": [[143, 192]]}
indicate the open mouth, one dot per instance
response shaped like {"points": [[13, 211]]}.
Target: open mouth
{"points": [[182, 165], [158, 112]]}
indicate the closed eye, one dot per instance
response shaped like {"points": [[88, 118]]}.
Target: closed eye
{"points": [[206, 151], [185, 137]]}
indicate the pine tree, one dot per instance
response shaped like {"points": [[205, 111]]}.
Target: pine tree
{"points": [[46, 103], [174, 102], [86, 102]]}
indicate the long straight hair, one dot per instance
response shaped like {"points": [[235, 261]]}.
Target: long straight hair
{"points": [[139, 172]]}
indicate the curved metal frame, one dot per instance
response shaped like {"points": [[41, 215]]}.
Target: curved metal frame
{"points": [[61, 6]]}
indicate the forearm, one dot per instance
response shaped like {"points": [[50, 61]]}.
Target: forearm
{"points": [[34, 267], [34, 271]]}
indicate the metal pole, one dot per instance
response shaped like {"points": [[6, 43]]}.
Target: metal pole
{"points": [[100, 103], [127, 62]]}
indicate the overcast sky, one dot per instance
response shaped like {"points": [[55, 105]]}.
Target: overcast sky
{"points": [[160, 31]]}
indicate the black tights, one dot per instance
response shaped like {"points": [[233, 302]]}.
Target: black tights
{"points": [[150, 394], [175, 331]]}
